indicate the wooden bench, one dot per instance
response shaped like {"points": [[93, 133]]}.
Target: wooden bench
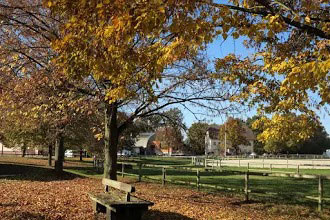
{"points": [[118, 203]]}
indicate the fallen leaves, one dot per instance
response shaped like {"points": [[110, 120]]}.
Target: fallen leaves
{"points": [[24, 197]]}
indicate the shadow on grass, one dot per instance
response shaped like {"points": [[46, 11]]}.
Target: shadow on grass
{"points": [[158, 215], [34, 173], [87, 170], [23, 215]]}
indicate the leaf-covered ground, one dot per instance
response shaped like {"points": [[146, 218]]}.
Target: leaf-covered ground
{"points": [[29, 192]]}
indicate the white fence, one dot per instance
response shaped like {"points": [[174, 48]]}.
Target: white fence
{"points": [[264, 163]]}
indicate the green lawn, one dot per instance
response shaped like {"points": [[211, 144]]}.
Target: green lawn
{"points": [[282, 190]]}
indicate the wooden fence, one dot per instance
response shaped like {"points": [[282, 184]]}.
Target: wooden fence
{"points": [[245, 189]]}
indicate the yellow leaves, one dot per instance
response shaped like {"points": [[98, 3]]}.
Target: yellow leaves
{"points": [[98, 136], [308, 19], [161, 10], [224, 36], [285, 128], [49, 4], [235, 35]]}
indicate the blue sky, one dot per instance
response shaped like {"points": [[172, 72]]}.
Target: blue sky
{"points": [[220, 48]]}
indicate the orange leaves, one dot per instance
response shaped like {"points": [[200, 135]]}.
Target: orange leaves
{"points": [[131, 43], [46, 196]]}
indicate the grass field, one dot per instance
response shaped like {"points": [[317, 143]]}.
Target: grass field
{"points": [[280, 190], [263, 188]]}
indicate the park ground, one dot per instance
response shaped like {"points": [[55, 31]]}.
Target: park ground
{"points": [[30, 190]]}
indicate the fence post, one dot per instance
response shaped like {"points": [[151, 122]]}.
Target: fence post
{"points": [[220, 163], [320, 193], [246, 188], [140, 172], [263, 163], [287, 163], [248, 167], [198, 179], [164, 176], [122, 169], [298, 169], [271, 168], [205, 163]]}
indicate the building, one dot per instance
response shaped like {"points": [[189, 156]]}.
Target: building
{"points": [[144, 144], [212, 142], [15, 151]]}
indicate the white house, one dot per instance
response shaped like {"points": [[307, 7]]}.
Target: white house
{"points": [[212, 142]]}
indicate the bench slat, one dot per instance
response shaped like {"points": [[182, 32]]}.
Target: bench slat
{"points": [[114, 200], [118, 185]]}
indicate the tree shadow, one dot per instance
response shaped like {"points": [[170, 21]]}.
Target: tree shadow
{"points": [[158, 215], [27, 172], [23, 215]]}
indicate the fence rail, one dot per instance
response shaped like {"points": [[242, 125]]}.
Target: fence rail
{"points": [[246, 188], [262, 163]]}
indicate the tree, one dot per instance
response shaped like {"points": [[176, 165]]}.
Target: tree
{"points": [[34, 95], [317, 144], [277, 134], [143, 57], [232, 132], [258, 147], [196, 137], [289, 73], [169, 137]]}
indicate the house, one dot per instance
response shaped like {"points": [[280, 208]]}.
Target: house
{"points": [[144, 144], [15, 151], [212, 142]]}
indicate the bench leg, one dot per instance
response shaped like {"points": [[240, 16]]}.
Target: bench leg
{"points": [[98, 207], [111, 215]]}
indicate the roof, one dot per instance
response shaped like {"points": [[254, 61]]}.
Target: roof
{"points": [[248, 133], [143, 139], [214, 131]]}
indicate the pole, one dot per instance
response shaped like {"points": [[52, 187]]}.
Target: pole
{"points": [[122, 169], [225, 140], [198, 179], [140, 172], [247, 186], [320, 193], [164, 176]]}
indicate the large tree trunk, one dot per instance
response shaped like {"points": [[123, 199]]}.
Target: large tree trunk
{"points": [[50, 153], [111, 136], [59, 154]]}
